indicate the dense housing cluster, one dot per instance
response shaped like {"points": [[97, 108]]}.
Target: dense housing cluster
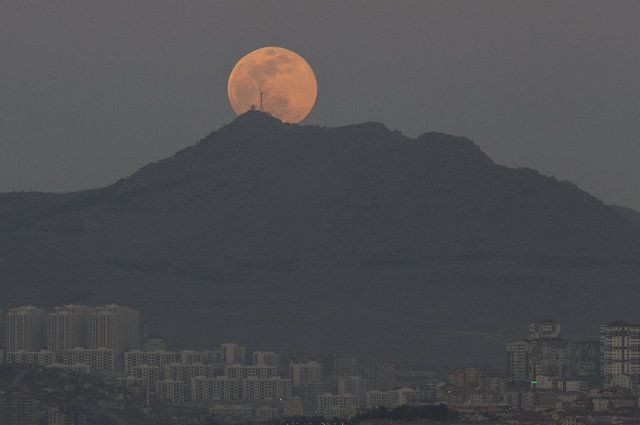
{"points": [[545, 374]]}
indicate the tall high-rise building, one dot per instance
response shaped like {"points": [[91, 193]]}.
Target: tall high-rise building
{"points": [[549, 352], [587, 359], [379, 374], [303, 373], [518, 361], [543, 354], [233, 353], [546, 328], [355, 385], [267, 358], [620, 350], [549, 357], [67, 328], [24, 329], [114, 327]]}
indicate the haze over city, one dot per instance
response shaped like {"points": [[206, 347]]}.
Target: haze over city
{"points": [[314, 213]]}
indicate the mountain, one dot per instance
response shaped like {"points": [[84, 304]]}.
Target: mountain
{"points": [[353, 239], [632, 215]]}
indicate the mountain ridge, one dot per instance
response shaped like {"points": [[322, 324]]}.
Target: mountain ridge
{"points": [[358, 219]]}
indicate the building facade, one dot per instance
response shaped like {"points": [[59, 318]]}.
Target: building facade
{"points": [[587, 359], [620, 350], [24, 329], [113, 327], [67, 328], [98, 361]]}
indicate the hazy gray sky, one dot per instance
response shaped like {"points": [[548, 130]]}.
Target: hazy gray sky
{"points": [[91, 91]]}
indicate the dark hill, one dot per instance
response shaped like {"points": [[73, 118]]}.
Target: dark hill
{"points": [[346, 238]]}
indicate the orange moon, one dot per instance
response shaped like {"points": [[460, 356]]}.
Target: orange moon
{"points": [[287, 82]]}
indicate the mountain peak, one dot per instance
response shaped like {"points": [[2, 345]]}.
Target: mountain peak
{"points": [[255, 118]]}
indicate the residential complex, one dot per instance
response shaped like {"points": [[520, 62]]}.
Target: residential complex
{"points": [[543, 373]]}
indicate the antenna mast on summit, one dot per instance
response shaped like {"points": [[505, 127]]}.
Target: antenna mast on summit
{"points": [[261, 105]]}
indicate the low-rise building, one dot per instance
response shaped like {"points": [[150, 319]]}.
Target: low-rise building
{"points": [[149, 375], [43, 358], [238, 371], [390, 399], [218, 388], [98, 360], [158, 359], [185, 371], [343, 406]]}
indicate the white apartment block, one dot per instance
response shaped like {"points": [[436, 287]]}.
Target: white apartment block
{"points": [[352, 385], [114, 327], [67, 328], [149, 375], [303, 373], [233, 353], [183, 372], [174, 391], [269, 389], [191, 356], [24, 328], [152, 358], [242, 372], [218, 388], [338, 406], [266, 358], [99, 360], [390, 399], [620, 350], [30, 358]]}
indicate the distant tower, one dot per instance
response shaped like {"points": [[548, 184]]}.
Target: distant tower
{"points": [[261, 104]]}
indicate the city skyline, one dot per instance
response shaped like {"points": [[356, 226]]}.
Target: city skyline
{"points": [[256, 385]]}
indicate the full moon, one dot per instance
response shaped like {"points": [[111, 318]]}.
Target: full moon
{"points": [[276, 80]]}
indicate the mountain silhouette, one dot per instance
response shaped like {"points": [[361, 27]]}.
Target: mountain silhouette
{"points": [[355, 240]]}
